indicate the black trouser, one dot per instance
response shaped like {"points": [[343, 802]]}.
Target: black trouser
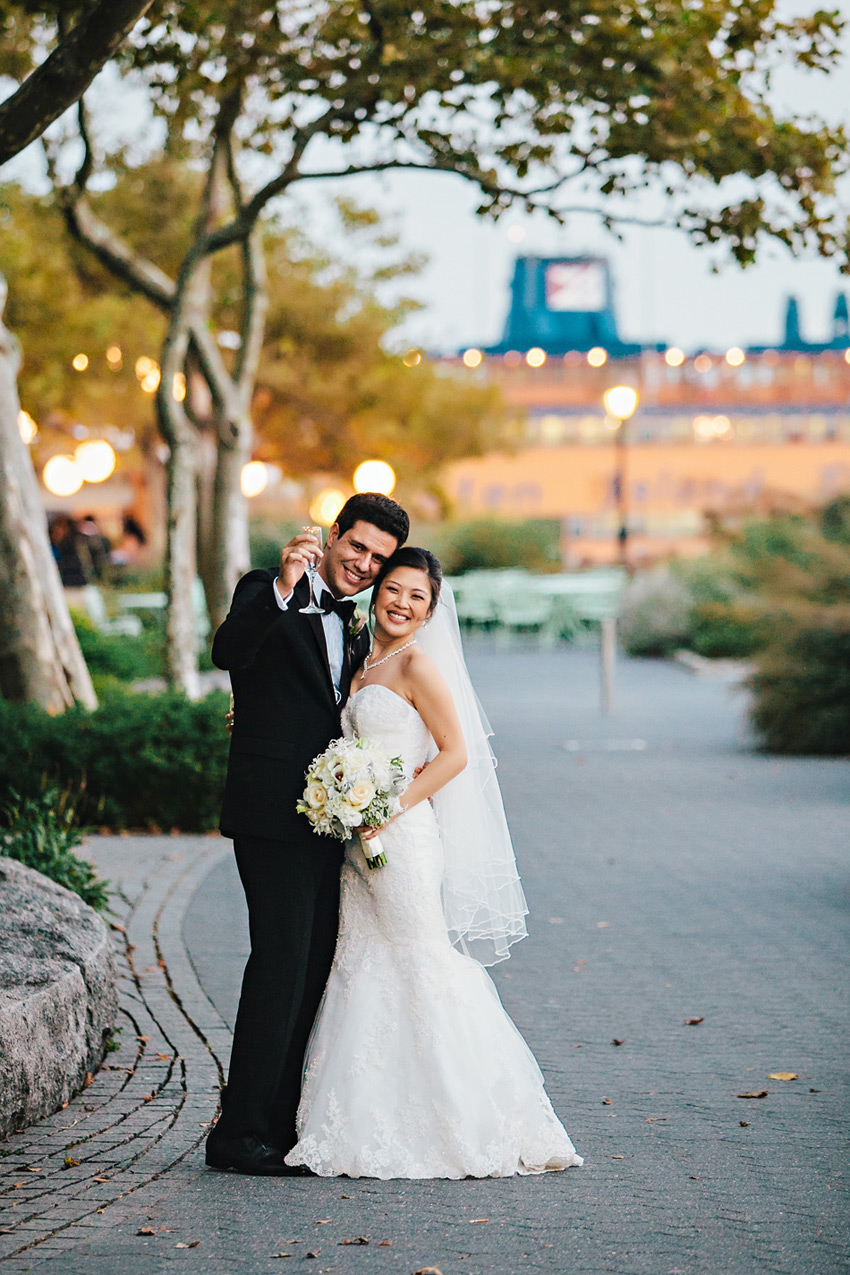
{"points": [[292, 889]]}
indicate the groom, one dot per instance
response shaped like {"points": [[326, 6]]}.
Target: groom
{"points": [[291, 675]]}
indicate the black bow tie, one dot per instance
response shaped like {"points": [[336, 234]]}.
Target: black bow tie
{"points": [[344, 607]]}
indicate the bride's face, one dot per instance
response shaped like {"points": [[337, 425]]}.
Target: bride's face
{"points": [[403, 603]]}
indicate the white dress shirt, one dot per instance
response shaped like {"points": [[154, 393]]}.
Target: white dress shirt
{"points": [[332, 625]]}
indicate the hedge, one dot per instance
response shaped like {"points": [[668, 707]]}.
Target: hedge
{"points": [[152, 762]]}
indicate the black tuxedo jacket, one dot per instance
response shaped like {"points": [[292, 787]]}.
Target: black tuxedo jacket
{"points": [[284, 703]]}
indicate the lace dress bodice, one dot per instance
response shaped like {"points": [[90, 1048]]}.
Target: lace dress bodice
{"points": [[380, 715]]}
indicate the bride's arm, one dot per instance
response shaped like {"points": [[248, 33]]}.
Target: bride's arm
{"points": [[433, 701]]}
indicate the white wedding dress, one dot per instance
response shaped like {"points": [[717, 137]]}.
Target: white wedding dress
{"points": [[414, 1069]]}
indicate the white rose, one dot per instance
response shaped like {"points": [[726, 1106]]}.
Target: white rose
{"points": [[316, 795], [361, 792]]}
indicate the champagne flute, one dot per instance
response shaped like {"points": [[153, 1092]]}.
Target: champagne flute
{"points": [[311, 608]]}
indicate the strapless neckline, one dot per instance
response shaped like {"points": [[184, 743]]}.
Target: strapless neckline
{"points": [[378, 686]]}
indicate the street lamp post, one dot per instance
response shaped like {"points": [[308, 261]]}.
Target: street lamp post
{"points": [[621, 402]]}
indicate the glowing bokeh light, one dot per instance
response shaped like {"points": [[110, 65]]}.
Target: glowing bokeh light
{"points": [[472, 358], [412, 358], [620, 401], [702, 363], [27, 427], [150, 382], [735, 356], [375, 475], [325, 506], [80, 362], [674, 357], [178, 387], [114, 357], [96, 460], [535, 357], [61, 476], [144, 365], [597, 357], [254, 478]]}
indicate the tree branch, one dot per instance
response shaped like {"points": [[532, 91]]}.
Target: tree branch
{"points": [[62, 78]]}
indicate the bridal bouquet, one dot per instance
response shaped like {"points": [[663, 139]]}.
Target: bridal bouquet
{"points": [[350, 784]]}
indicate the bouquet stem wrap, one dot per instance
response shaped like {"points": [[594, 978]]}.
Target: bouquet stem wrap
{"points": [[373, 852]]}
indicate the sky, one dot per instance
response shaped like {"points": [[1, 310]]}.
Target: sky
{"points": [[664, 287]]}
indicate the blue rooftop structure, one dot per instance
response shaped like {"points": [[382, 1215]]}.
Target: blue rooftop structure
{"points": [[560, 304], [793, 340]]}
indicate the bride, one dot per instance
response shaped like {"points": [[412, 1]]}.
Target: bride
{"points": [[414, 1069]]}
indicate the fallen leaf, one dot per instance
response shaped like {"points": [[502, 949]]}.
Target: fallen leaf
{"points": [[655, 1119], [694, 1178], [163, 1057], [429, 1270], [758, 1093], [603, 925], [385, 1243], [694, 1022], [146, 1230], [6, 1230], [323, 1221], [281, 1254], [346, 1197], [100, 1179], [31, 1168], [618, 1042], [361, 1239], [17, 1184], [479, 1219], [149, 1097], [315, 1253], [618, 1157], [143, 1039], [70, 1163], [745, 1124], [575, 1046], [814, 1091], [782, 1075], [606, 1102], [194, 1244]]}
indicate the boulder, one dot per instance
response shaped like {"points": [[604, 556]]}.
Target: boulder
{"points": [[58, 1000]]}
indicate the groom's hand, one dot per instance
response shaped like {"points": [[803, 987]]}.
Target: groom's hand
{"points": [[295, 559]]}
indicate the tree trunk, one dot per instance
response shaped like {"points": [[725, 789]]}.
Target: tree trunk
{"points": [[40, 657], [181, 568], [230, 555]]}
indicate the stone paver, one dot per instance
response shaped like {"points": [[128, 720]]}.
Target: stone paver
{"points": [[672, 875]]}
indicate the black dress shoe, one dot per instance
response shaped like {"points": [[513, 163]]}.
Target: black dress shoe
{"points": [[248, 1155]]}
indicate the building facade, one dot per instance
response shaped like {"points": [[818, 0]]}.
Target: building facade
{"points": [[715, 433]]}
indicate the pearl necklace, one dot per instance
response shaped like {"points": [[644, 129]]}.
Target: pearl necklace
{"points": [[367, 667]]}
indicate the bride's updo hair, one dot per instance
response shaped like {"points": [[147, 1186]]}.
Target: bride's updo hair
{"points": [[420, 560]]}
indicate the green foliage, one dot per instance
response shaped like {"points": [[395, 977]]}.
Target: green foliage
{"points": [[801, 688], [516, 95], [489, 544], [656, 614], [42, 833], [143, 761], [120, 657]]}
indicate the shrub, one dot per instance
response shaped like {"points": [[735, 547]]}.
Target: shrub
{"points": [[41, 834], [121, 657], [490, 544], [801, 687], [143, 761], [655, 616]]}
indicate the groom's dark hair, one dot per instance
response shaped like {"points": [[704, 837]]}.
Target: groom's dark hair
{"points": [[383, 513]]}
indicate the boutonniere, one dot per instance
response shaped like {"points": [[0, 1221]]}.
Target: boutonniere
{"points": [[357, 624]]}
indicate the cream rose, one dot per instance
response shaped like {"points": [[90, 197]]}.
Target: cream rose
{"points": [[316, 795], [361, 792]]}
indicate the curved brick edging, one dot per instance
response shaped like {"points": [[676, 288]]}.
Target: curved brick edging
{"points": [[58, 1000]]}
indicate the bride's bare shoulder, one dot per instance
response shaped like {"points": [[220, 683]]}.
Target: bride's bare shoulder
{"points": [[421, 672]]}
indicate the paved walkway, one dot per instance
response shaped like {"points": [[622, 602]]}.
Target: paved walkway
{"points": [[672, 875]]}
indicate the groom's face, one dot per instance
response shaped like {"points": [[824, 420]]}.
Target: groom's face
{"points": [[352, 560]]}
